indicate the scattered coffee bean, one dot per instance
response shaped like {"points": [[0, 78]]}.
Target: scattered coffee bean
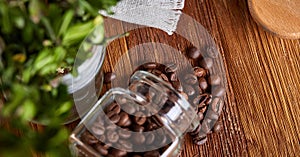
{"points": [[214, 80], [124, 118], [114, 107], [218, 91], [140, 118], [150, 65], [193, 53], [98, 129], [212, 51], [217, 127], [173, 77], [109, 76], [127, 145], [102, 150], [112, 136], [138, 138], [150, 138], [189, 90], [124, 133], [128, 108], [199, 72], [177, 85], [201, 141], [206, 63], [203, 84], [190, 79], [89, 138], [164, 77], [117, 153], [137, 128]]}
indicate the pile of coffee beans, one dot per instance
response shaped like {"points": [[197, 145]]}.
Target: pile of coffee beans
{"points": [[201, 88], [106, 135]]}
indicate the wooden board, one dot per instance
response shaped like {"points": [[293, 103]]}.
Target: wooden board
{"points": [[281, 17], [262, 114]]}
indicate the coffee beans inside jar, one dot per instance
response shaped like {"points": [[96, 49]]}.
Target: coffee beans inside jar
{"points": [[118, 133], [198, 86]]}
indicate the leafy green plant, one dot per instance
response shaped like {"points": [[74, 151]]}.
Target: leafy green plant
{"points": [[38, 43]]}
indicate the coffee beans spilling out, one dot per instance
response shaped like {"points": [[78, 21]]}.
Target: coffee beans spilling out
{"points": [[105, 136], [201, 88]]}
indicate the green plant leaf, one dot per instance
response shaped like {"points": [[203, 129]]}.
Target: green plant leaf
{"points": [[67, 19]]}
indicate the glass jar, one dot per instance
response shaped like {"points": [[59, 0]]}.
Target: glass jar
{"points": [[150, 116]]}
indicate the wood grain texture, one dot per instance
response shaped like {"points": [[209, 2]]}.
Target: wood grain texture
{"points": [[281, 17], [262, 112]]}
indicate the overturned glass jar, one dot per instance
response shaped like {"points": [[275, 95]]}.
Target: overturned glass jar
{"points": [[150, 117]]}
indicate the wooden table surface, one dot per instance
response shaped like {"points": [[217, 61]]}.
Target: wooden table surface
{"points": [[262, 112]]}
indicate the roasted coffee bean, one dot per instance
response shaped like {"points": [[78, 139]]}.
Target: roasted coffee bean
{"points": [[152, 154], [117, 153], [124, 117], [203, 83], [215, 104], [129, 108], [208, 100], [206, 63], [196, 131], [193, 53], [140, 118], [114, 107], [203, 109], [173, 77], [110, 126], [123, 133], [185, 95], [112, 136], [156, 72], [107, 145], [214, 80], [212, 115], [171, 67], [109, 76], [151, 126], [164, 77], [218, 91], [150, 65], [138, 138], [113, 117], [190, 79], [88, 138], [200, 115], [189, 90], [217, 127], [161, 140], [102, 138], [121, 100], [137, 128], [98, 129], [150, 138], [205, 127], [177, 85], [212, 51], [125, 144], [199, 72], [101, 149], [201, 141]]}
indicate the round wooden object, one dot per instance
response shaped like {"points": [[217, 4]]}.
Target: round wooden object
{"points": [[281, 17]]}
